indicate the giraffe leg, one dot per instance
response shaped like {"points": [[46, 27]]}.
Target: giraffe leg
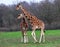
{"points": [[25, 38], [22, 38], [34, 35], [41, 36]]}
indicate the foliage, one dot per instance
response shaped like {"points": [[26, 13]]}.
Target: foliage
{"points": [[47, 11]]}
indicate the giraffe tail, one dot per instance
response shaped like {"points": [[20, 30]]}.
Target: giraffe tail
{"points": [[44, 31]]}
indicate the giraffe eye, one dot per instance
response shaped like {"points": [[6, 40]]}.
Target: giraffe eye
{"points": [[26, 16]]}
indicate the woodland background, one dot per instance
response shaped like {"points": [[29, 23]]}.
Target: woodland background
{"points": [[47, 11]]}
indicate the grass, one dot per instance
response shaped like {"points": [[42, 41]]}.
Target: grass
{"points": [[13, 39]]}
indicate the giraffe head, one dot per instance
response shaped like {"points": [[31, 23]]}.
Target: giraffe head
{"points": [[18, 6], [20, 16]]}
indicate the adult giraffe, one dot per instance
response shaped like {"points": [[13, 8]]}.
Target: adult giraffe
{"points": [[23, 28], [34, 22]]}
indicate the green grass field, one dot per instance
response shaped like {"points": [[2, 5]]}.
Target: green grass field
{"points": [[13, 39]]}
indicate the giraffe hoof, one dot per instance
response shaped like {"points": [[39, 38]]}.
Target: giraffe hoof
{"points": [[39, 41], [43, 41], [25, 42], [36, 42]]}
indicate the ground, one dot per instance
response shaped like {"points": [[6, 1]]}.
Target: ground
{"points": [[13, 39]]}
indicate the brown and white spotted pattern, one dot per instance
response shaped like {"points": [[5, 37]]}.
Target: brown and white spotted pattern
{"points": [[23, 28], [34, 22]]}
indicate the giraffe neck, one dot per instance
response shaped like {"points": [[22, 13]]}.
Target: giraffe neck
{"points": [[24, 19], [26, 13]]}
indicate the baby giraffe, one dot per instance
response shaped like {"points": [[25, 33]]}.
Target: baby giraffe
{"points": [[23, 28]]}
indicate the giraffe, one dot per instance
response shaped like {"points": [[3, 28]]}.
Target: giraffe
{"points": [[23, 28], [34, 22]]}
